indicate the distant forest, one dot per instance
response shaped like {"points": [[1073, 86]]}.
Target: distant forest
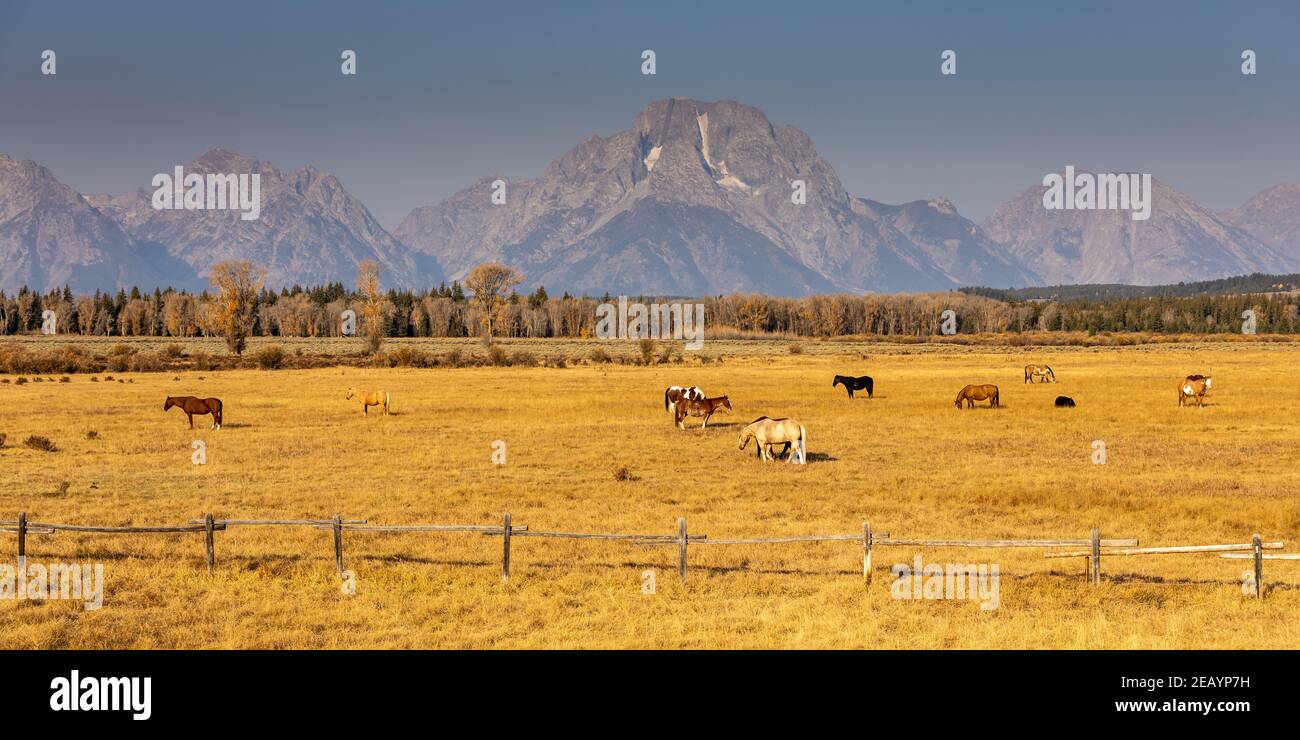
{"points": [[446, 311]]}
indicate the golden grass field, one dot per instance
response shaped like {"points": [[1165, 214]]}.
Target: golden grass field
{"points": [[906, 460]]}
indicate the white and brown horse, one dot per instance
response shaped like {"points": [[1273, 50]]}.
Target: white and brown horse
{"points": [[675, 393], [705, 407], [368, 399], [1194, 388], [767, 432], [1043, 373]]}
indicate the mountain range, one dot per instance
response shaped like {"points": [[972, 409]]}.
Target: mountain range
{"points": [[694, 198]]}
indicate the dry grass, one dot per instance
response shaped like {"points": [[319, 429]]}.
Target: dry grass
{"points": [[906, 460]]}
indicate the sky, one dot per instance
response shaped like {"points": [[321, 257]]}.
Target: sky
{"points": [[448, 92]]}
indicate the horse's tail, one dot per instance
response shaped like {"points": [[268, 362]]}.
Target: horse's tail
{"points": [[665, 399], [1051, 373], [803, 445], [385, 402], [997, 398]]}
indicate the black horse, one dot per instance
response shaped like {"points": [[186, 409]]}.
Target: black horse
{"points": [[1063, 402], [850, 383]]}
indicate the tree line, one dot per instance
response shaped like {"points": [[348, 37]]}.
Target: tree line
{"points": [[238, 306]]}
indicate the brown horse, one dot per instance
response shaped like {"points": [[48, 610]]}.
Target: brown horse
{"points": [[201, 406], [972, 393], [704, 407]]}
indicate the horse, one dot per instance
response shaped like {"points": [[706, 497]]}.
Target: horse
{"points": [[1193, 389], [768, 432], [705, 407], [1039, 371], [201, 406], [1209, 382], [972, 393], [1064, 402], [850, 383], [676, 393], [368, 399]]}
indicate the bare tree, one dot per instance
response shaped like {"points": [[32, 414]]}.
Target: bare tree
{"points": [[375, 306]]}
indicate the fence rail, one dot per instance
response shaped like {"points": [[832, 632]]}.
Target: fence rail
{"points": [[1098, 547]]}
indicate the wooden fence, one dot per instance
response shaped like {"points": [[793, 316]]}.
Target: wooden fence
{"points": [[868, 539]]}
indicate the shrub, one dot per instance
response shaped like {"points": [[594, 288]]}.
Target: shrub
{"points": [[119, 363], [796, 349], [523, 358], [622, 474], [173, 351], [599, 355], [411, 357], [20, 381], [65, 379], [43, 444], [270, 357], [453, 358], [203, 361], [647, 350], [146, 362], [92, 434], [497, 356], [557, 361]]}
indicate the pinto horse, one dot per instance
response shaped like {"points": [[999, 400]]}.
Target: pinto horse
{"points": [[972, 393], [1042, 372], [676, 393], [850, 383], [201, 406], [705, 407], [368, 399]]}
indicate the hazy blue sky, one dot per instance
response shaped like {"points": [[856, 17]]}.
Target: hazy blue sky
{"points": [[449, 92]]}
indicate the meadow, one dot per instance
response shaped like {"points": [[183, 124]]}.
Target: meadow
{"points": [[589, 447]]}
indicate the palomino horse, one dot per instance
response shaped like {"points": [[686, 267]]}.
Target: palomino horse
{"points": [[201, 406], [1042, 372], [1190, 389], [368, 399], [850, 383], [972, 393], [705, 407], [767, 432], [676, 393]]}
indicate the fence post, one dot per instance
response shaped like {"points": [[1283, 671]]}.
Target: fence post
{"points": [[1096, 556], [1259, 566], [22, 538], [505, 548], [681, 547], [207, 537], [338, 543], [866, 552]]}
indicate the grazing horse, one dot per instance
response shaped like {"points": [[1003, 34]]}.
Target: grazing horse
{"points": [[1039, 371], [676, 393], [368, 399], [972, 393], [705, 407], [1064, 402], [850, 383], [768, 432], [1193, 389], [201, 406]]}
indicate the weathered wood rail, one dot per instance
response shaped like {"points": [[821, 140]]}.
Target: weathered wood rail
{"points": [[867, 539]]}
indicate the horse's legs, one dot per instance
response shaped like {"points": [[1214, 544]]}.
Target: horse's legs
{"points": [[191, 418]]}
